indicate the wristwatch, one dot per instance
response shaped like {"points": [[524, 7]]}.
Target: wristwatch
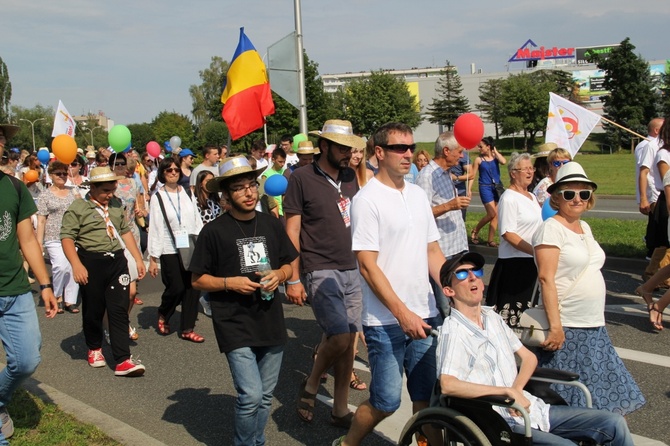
{"points": [[44, 287]]}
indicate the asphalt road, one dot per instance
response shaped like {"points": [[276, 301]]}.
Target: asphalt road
{"points": [[186, 396]]}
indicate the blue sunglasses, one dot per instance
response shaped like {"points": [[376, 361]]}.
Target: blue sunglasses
{"points": [[463, 273], [560, 163]]}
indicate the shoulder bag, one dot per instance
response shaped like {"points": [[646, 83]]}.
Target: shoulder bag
{"points": [[185, 254]]}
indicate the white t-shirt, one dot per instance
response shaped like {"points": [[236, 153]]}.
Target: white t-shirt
{"points": [[645, 152], [520, 215], [398, 225], [291, 159], [661, 155], [584, 306], [199, 168]]}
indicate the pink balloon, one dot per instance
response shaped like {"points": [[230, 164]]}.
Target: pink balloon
{"points": [[468, 130], [153, 149]]}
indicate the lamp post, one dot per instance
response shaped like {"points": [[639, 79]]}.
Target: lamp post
{"points": [[32, 127], [91, 131]]}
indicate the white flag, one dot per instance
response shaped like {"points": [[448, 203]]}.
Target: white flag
{"points": [[63, 122], [568, 124]]}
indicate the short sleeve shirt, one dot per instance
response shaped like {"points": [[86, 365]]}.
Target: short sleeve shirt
{"points": [[53, 208], [84, 224]]}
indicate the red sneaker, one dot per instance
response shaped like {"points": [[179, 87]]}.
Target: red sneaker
{"points": [[130, 367], [96, 359]]}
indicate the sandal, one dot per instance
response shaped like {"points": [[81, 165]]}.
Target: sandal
{"points": [[324, 375], [357, 383], [343, 422], [658, 323], [193, 337], [132, 333], [474, 237], [492, 244], [60, 306], [163, 326], [306, 402], [74, 308], [138, 301]]}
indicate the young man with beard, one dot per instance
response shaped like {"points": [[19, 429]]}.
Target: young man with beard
{"points": [[249, 328], [317, 205]]}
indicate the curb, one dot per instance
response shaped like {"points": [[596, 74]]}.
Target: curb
{"points": [[118, 430]]}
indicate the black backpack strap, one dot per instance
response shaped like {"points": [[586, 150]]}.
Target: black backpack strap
{"points": [[15, 181]]}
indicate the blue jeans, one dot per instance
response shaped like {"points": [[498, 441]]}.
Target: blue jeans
{"points": [[566, 422], [20, 334], [255, 373]]}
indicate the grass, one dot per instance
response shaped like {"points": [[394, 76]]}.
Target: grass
{"points": [[37, 423], [618, 238]]}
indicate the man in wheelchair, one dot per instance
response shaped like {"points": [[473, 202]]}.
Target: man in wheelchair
{"points": [[476, 357]]}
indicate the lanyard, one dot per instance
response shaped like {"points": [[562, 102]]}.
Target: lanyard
{"points": [[329, 179], [178, 212]]}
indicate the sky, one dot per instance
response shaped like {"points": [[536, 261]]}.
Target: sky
{"points": [[134, 59]]}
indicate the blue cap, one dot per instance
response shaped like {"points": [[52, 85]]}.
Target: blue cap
{"points": [[186, 152]]}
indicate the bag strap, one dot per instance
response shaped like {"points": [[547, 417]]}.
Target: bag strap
{"points": [[14, 181], [167, 222]]}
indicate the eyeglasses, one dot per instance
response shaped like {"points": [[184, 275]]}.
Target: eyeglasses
{"points": [[172, 170], [525, 169], [399, 148], [559, 163], [240, 190], [59, 174], [74, 164], [462, 274], [569, 195], [120, 164], [343, 149]]}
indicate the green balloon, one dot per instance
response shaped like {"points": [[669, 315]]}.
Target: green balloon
{"points": [[297, 139], [119, 138]]}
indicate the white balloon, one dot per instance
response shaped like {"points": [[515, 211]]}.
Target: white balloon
{"points": [[175, 142]]}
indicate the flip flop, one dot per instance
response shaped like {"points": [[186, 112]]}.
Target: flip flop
{"points": [[306, 402]]}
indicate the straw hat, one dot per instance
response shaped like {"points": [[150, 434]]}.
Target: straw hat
{"points": [[571, 172], [230, 168], [305, 148], [102, 175], [9, 130], [340, 132]]}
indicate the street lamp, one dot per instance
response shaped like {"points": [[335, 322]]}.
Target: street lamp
{"points": [[91, 130], [32, 127]]}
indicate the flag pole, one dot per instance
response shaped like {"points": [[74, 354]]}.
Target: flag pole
{"points": [[301, 67], [622, 127]]}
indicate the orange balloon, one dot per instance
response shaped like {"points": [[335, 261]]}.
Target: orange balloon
{"points": [[31, 176], [65, 148]]}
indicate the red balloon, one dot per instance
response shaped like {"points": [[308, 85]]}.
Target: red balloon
{"points": [[153, 149], [468, 130]]}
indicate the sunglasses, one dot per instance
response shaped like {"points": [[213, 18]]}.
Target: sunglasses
{"points": [[74, 164], [399, 148], [559, 163], [569, 195], [59, 174], [462, 274], [120, 164], [172, 170]]}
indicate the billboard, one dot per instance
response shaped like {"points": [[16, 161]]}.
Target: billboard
{"points": [[583, 54]]}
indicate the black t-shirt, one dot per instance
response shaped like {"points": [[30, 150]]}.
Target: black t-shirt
{"points": [[226, 248], [325, 240]]}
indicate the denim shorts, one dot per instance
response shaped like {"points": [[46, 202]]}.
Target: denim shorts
{"points": [[337, 300], [390, 353]]}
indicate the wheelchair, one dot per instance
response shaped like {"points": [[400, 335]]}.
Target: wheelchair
{"points": [[473, 422]]}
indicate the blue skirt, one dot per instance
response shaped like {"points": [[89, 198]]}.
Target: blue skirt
{"points": [[590, 353]]}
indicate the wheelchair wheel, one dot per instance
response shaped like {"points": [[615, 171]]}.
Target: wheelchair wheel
{"points": [[443, 426]]}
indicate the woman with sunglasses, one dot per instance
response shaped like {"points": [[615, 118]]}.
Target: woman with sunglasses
{"points": [[51, 205], [76, 173], [555, 159], [514, 275], [487, 164], [573, 290], [173, 209]]}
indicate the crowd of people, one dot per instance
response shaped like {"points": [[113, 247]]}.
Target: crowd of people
{"points": [[370, 232]]}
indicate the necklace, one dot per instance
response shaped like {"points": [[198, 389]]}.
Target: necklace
{"points": [[242, 230]]}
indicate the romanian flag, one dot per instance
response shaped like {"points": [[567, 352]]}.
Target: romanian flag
{"points": [[246, 94]]}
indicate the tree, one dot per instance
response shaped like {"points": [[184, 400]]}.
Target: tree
{"points": [[449, 103], [374, 100], [43, 118], [5, 92], [206, 97], [169, 124], [490, 93], [631, 101], [141, 135], [213, 133]]}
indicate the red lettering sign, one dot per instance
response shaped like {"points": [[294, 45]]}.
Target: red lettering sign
{"points": [[525, 53]]}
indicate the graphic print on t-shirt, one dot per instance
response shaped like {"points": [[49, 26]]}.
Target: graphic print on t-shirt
{"points": [[251, 250]]}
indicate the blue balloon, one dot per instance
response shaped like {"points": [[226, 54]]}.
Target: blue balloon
{"points": [[44, 156], [276, 185], [547, 211], [166, 144]]}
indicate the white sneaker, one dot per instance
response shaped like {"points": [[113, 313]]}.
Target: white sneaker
{"points": [[7, 423], [206, 307]]}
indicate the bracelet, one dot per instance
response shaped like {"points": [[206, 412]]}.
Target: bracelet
{"points": [[45, 286], [225, 284], [294, 282]]}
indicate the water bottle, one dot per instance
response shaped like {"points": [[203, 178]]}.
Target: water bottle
{"points": [[264, 268]]}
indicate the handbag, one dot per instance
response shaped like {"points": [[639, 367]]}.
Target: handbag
{"points": [[185, 254], [499, 188]]}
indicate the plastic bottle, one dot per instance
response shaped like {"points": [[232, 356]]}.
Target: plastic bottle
{"points": [[264, 268]]}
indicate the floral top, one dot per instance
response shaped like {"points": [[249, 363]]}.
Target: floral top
{"points": [[540, 190], [53, 207], [127, 191], [210, 211]]}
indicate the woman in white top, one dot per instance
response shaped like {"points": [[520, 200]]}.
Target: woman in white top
{"points": [[514, 274], [573, 293], [179, 215], [555, 160]]}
